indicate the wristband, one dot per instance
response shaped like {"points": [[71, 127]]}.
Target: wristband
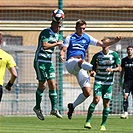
{"points": [[9, 84]]}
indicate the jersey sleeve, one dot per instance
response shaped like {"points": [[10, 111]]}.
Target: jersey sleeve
{"points": [[93, 41], [117, 58], [123, 63], [60, 37], [66, 41], [10, 62], [94, 62], [44, 36]]}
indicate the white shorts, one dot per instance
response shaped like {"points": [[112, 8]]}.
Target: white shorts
{"points": [[81, 74]]}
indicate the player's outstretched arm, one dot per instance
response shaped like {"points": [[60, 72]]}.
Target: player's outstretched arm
{"points": [[108, 43]]}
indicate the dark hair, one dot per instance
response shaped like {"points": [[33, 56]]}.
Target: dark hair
{"points": [[80, 22], [129, 47], [57, 22]]}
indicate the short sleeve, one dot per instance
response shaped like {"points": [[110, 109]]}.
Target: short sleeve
{"points": [[11, 62], [66, 41]]}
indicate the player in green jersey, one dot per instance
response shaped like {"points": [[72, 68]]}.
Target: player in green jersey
{"points": [[6, 61], [105, 63], [48, 39]]}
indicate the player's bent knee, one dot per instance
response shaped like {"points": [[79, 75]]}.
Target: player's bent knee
{"points": [[86, 94], [86, 91], [96, 100]]}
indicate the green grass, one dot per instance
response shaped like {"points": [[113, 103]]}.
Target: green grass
{"points": [[51, 124]]}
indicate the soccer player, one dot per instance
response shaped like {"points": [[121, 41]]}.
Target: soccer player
{"points": [[6, 61], [105, 63], [48, 39], [76, 45], [127, 73]]}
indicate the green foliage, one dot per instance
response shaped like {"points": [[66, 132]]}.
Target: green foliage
{"points": [[51, 124]]}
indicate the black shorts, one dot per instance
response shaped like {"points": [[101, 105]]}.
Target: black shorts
{"points": [[128, 87]]}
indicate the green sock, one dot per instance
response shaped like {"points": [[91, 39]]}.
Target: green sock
{"points": [[90, 112], [53, 98], [105, 115], [39, 94]]}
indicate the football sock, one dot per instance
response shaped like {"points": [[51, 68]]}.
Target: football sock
{"points": [[86, 66], [53, 99], [81, 98], [39, 94], [125, 105], [105, 115], [90, 112]]}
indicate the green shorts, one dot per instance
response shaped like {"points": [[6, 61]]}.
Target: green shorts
{"points": [[105, 91], [44, 71]]}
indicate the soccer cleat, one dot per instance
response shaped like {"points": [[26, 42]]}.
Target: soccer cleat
{"points": [[102, 128], [124, 116], [38, 113], [87, 125], [56, 113], [71, 109]]}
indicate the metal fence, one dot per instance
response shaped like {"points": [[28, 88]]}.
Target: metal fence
{"points": [[21, 100]]}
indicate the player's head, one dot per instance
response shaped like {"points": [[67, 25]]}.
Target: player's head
{"points": [[80, 27], [80, 22], [129, 47], [130, 50], [106, 40], [55, 26]]}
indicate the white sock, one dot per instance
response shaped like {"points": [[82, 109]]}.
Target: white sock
{"points": [[86, 66], [126, 113], [81, 98]]}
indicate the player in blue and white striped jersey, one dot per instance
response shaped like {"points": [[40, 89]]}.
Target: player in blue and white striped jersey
{"points": [[75, 47]]}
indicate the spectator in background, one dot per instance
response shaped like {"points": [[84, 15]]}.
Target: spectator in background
{"points": [[127, 74], [105, 63], [76, 45], [6, 61]]}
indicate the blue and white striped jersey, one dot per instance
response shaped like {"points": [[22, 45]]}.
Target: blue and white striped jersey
{"points": [[78, 45]]}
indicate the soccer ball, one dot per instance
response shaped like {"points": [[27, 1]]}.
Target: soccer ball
{"points": [[58, 15]]}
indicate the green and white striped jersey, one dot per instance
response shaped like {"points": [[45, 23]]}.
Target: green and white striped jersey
{"points": [[101, 62], [47, 35]]}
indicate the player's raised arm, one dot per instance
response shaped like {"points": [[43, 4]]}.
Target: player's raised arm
{"points": [[111, 42]]}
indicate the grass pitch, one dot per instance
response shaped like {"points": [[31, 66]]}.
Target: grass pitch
{"points": [[51, 124]]}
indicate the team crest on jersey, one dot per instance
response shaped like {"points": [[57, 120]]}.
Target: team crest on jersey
{"points": [[84, 41]]}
